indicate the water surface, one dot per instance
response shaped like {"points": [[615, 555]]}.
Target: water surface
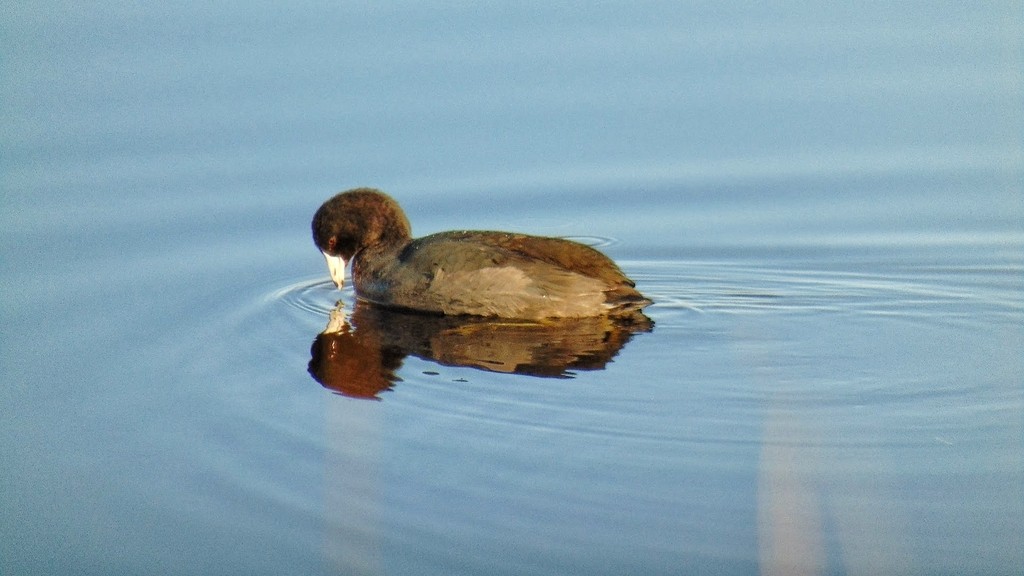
{"points": [[825, 204]]}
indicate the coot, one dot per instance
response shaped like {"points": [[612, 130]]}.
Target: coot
{"points": [[497, 274]]}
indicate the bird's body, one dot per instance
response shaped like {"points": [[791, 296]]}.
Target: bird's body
{"points": [[483, 273]]}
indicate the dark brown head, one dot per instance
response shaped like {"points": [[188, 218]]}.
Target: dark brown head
{"points": [[354, 220]]}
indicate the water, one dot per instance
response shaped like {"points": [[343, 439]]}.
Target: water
{"points": [[825, 204]]}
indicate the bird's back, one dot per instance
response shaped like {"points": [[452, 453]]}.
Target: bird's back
{"points": [[501, 274]]}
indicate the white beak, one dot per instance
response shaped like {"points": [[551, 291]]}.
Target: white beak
{"points": [[336, 265]]}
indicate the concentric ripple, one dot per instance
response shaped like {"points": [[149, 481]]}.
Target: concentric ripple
{"points": [[740, 288], [314, 296], [594, 241]]}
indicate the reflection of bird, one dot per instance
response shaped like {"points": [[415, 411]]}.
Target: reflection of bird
{"points": [[477, 273], [359, 356], [352, 364]]}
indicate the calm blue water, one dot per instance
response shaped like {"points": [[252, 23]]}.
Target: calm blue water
{"points": [[826, 204]]}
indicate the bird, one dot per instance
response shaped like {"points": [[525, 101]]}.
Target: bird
{"points": [[466, 272]]}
